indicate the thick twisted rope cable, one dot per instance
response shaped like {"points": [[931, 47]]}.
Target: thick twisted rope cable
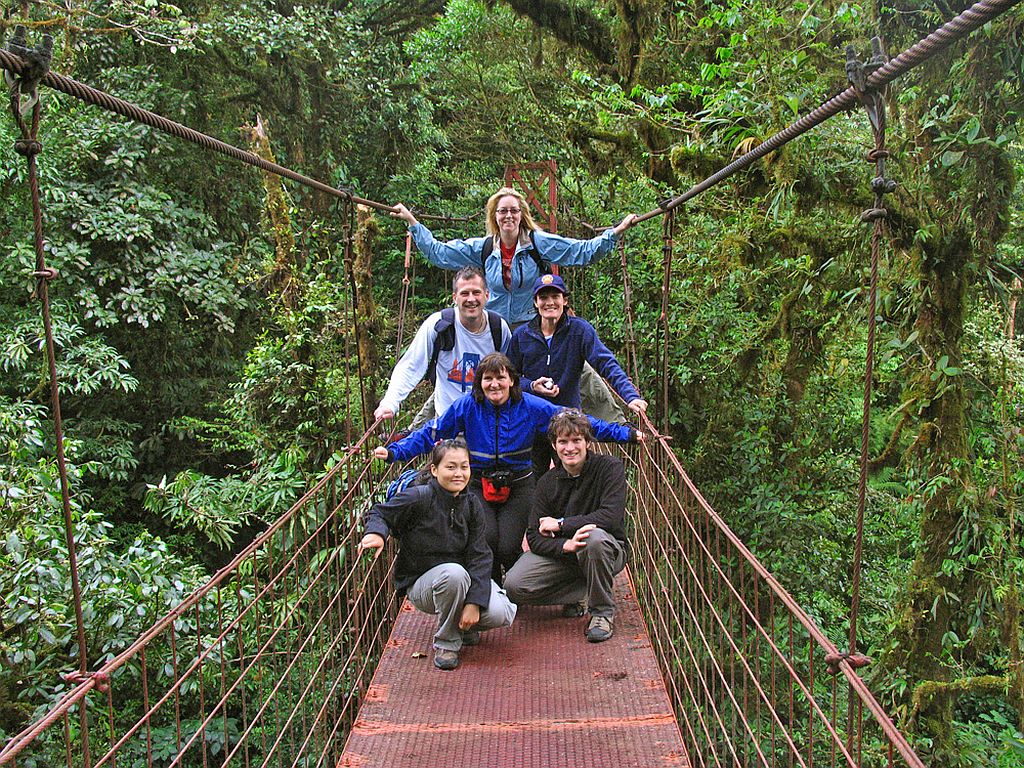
{"points": [[98, 98], [950, 32], [874, 104], [953, 30]]}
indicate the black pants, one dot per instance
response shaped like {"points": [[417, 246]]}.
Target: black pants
{"points": [[506, 523], [542, 454]]}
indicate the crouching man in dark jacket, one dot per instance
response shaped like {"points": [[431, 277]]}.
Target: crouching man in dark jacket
{"points": [[444, 563], [576, 535]]}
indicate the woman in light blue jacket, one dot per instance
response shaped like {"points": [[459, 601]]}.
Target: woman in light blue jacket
{"points": [[512, 252]]}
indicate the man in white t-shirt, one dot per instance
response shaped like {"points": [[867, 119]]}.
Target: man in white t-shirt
{"points": [[476, 333]]}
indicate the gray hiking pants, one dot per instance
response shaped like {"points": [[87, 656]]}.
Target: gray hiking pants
{"points": [[539, 580], [442, 590]]}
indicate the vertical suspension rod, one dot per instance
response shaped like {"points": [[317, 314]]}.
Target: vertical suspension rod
{"points": [[29, 147], [668, 236]]}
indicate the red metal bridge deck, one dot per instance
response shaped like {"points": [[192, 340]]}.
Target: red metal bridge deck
{"points": [[535, 695]]}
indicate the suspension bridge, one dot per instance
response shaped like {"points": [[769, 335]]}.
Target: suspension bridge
{"points": [[298, 653]]}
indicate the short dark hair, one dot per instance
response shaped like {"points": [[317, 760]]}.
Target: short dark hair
{"points": [[441, 448], [570, 421], [495, 363], [469, 273]]}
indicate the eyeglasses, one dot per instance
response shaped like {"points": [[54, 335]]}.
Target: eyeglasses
{"points": [[504, 211]]}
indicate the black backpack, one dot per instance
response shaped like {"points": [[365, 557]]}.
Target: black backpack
{"points": [[543, 267], [445, 328]]}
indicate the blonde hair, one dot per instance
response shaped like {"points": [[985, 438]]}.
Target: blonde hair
{"points": [[526, 222]]}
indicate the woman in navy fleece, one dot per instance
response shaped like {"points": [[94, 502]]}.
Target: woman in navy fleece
{"points": [[551, 351]]}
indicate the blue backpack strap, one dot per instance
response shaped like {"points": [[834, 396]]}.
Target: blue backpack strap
{"points": [[407, 480], [445, 339]]}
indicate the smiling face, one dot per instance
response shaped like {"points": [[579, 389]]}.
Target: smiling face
{"points": [[452, 472], [550, 303], [571, 450], [496, 386], [470, 298], [507, 216]]}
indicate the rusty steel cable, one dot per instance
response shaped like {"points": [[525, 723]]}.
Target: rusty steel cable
{"points": [[29, 147], [403, 302], [950, 32], [668, 238], [349, 257], [627, 300], [874, 105]]}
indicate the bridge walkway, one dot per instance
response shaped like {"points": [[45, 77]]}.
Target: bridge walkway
{"points": [[534, 695]]}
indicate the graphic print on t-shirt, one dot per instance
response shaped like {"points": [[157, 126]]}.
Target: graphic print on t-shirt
{"points": [[463, 371]]}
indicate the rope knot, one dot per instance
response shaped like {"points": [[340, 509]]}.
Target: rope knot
{"points": [[873, 214], [28, 147], [36, 65], [877, 154], [47, 273], [882, 186], [857, 74], [101, 679], [855, 660]]}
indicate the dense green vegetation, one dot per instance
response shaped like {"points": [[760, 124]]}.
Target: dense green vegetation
{"points": [[207, 346]]}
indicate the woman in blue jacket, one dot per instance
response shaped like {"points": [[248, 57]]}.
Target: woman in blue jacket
{"points": [[518, 244], [500, 424]]}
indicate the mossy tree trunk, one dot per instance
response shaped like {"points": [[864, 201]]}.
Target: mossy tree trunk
{"points": [[960, 211], [284, 276]]}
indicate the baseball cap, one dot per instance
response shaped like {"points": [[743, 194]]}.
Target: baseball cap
{"points": [[549, 281]]}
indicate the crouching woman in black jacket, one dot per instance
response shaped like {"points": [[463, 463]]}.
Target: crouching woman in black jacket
{"points": [[444, 562]]}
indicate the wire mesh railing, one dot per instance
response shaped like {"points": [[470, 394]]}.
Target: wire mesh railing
{"points": [[268, 662], [754, 682], [264, 665]]}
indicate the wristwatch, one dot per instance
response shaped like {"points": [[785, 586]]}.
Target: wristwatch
{"points": [[560, 521]]}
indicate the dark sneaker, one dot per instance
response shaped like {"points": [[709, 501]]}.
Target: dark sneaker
{"points": [[574, 610], [471, 638], [599, 629], [445, 659]]}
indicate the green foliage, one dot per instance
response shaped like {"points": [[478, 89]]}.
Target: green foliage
{"points": [[218, 507], [187, 375], [124, 591]]}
